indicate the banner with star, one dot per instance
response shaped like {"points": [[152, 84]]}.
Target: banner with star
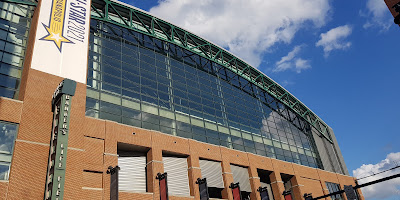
{"points": [[61, 43]]}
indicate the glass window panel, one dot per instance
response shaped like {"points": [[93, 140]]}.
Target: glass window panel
{"points": [[150, 126], [135, 114], [6, 92], [7, 81], [237, 140], [183, 134], [211, 133], [248, 143], [110, 108], [132, 122], [112, 117], [212, 141], [167, 130], [167, 122], [201, 138], [4, 170]]}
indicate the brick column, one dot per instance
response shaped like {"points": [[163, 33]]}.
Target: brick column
{"points": [[360, 194], [228, 179], [194, 173], [277, 185], [154, 165], [255, 183], [297, 187]]}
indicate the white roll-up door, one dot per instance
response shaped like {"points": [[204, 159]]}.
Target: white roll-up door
{"points": [[132, 174], [269, 189], [241, 175], [212, 170], [177, 176]]}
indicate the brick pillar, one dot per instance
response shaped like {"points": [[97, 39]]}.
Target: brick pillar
{"points": [[360, 194], [277, 185], [154, 165], [297, 187], [228, 179], [255, 183], [110, 154], [194, 173]]}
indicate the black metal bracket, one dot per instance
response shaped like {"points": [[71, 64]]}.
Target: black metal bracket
{"points": [[161, 176], [201, 181], [111, 170]]}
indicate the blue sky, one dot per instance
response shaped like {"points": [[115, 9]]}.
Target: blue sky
{"points": [[340, 58]]}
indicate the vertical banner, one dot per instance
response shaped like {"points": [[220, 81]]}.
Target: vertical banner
{"points": [[61, 106], [264, 193], [113, 182], [203, 189], [287, 195], [61, 43], [236, 191], [163, 186]]}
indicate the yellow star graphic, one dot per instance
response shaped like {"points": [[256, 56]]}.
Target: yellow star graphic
{"points": [[57, 38]]}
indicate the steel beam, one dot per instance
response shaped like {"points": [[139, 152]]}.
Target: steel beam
{"points": [[22, 2], [101, 11]]}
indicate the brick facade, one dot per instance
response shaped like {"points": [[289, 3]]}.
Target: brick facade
{"points": [[93, 147]]}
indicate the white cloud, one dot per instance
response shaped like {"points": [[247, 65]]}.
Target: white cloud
{"points": [[377, 14], [335, 39], [381, 190], [291, 61], [247, 28]]}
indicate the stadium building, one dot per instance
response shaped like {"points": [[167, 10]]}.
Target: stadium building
{"points": [[85, 85]]}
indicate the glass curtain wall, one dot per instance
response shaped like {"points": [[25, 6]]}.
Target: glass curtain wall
{"points": [[15, 21], [141, 81], [8, 133]]}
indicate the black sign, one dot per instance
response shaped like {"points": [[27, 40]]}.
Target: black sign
{"points": [[263, 193], [203, 189], [113, 171]]}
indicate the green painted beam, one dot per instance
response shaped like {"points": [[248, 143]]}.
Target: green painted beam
{"points": [[130, 17], [22, 2]]}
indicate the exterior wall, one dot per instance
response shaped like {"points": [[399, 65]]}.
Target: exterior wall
{"points": [[338, 152], [93, 147], [330, 154], [390, 4]]}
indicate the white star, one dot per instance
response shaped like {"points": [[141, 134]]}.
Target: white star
{"points": [[56, 37]]}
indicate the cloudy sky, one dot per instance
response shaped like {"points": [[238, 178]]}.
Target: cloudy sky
{"points": [[338, 57]]}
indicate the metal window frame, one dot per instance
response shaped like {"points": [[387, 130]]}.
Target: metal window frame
{"points": [[129, 17]]}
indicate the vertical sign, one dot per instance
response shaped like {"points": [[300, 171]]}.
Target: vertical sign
{"points": [[236, 191], [113, 182], [263, 193], [61, 106], [287, 195], [203, 189], [61, 43], [163, 186]]}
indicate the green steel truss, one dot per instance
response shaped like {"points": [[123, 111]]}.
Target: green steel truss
{"points": [[22, 2], [132, 18]]}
